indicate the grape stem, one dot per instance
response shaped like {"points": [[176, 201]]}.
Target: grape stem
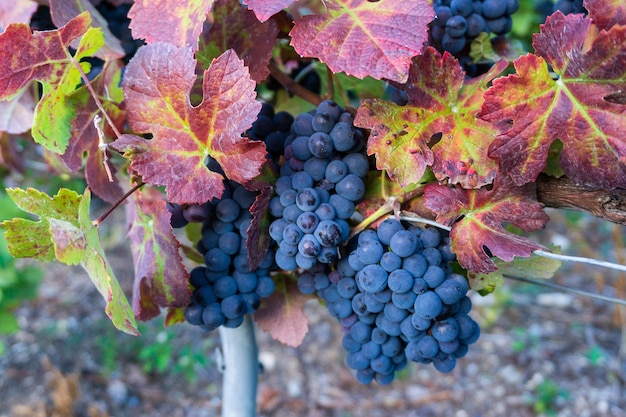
{"points": [[240, 370], [411, 217], [104, 215], [292, 86], [95, 97], [568, 289], [580, 259]]}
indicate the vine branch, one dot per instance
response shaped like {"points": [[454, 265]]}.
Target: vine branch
{"points": [[562, 193], [293, 87]]}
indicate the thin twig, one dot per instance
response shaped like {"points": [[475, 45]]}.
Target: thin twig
{"points": [[103, 146], [581, 259], [292, 86], [570, 290], [95, 97], [117, 203], [414, 218]]}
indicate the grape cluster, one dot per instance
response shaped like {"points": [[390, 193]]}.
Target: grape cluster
{"points": [[458, 22], [273, 128], [320, 182], [397, 300], [225, 288]]}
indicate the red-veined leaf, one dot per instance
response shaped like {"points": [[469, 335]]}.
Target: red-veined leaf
{"points": [[441, 105], [574, 108], [362, 38], [235, 27], [156, 84], [281, 314], [45, 57], [481, 213], [160, 276]]}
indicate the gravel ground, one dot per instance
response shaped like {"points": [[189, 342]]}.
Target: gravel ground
{"points": [[540, 353]]}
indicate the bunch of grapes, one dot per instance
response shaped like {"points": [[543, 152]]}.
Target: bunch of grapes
{"points": [[226, 288], [320, 182], [458, 22], [397, 300], [273, 129]]}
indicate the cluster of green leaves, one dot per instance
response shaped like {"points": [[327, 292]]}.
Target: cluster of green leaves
{"points": [[466, 151]]}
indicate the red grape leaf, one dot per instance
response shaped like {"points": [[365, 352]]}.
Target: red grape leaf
{"points": [[65, 232], [476, 217], [17, 11], [161, 279], [176, 22], [281, 314], [85, 137], [45, 57], [590, 66], [156, 84], [63, 11], [258, 240], [264, 9], [606, 13], [440, 104], [237, 28], [362, 38]]}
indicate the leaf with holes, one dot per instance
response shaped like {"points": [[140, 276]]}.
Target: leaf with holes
{"points": [[590, 66], [237, 28], [45, 57], [65, 232], [160, 276], [362, 38], [476, 217], [156, 85], [441, 109], [281, 314]]}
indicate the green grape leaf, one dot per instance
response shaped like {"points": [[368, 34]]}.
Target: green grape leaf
{"points": [[19, 11], [236, 27], [156, 84], [85, 138], [362, 38], [64, 231], [264, 9], [441, 109], [590, 66], [606, 13], [160, 276], [63, 11], [476, 217], [282, 314], [177, 22], [45, 57], [533, 267]]}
